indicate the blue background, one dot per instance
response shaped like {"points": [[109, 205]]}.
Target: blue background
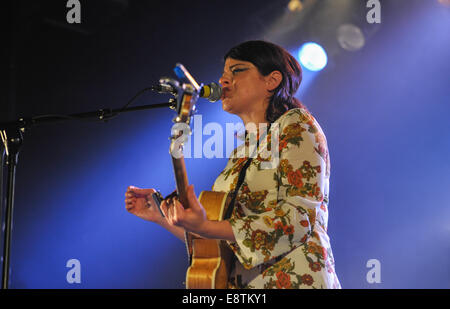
{"points": [[384, 109]]}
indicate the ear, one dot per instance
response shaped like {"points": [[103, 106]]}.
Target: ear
{"points": [[273, 80]]}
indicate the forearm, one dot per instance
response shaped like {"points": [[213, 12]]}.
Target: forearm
{"points": [[217, 230], [175, 230], [210, 229]]}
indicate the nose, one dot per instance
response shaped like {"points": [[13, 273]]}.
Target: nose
{"points": [[224, 80]]}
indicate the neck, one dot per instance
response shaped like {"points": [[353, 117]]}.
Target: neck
{"points": [[254, 116]]}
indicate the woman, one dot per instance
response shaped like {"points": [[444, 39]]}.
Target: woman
{"points": [[277, 230]]}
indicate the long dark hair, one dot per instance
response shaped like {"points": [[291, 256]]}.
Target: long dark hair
{"points": [[269, 57]]}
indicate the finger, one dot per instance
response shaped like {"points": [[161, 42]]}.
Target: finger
{"points": [[174, 214], [130, 200], [130, 188], [142, 192], [129, 207], [164, 209], [193, 201], [178, 212], [171, 213], [190, 191]]}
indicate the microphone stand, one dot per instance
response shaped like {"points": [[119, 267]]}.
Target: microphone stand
{"points": [[12, 138]]}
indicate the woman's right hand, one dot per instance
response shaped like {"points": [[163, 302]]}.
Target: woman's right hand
{"points": [[139, 202]]}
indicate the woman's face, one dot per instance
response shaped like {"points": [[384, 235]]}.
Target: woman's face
{"points": [[244, 88]]}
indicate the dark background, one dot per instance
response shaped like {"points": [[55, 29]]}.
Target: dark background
{"points": [[385, 111]]}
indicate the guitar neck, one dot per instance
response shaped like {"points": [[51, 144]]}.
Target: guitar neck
{"points": [[181, 179], [185, 107]]}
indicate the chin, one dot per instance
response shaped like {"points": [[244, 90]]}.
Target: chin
{"points": [[225, 106]]}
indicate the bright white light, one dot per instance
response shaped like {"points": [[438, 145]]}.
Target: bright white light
{"points": [[312, 56]]}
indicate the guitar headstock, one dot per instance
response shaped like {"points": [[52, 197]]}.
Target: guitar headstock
{"points": [[186, 95], [184, 103]]}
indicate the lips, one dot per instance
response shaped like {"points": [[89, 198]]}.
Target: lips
{"points": [[225, 93]]}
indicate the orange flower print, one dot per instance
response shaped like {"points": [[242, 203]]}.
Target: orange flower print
{"points": [[259, 239], [315, 266], [314, 248], [268, 221], [285, 166], [304, 223], [295, 178], [307, 279], [312, 215], [279, 212], [283, 280], [282, 144], [272, 204], [279, 225], [304, 238], [293, 130], [288, 230]]}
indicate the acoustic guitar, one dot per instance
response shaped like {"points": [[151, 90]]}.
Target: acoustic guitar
{"points": [[209, 258]]}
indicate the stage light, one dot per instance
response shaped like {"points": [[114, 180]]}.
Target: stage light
{"points": [[312, 56], [350, 37], [445, 2], [295, 6]]}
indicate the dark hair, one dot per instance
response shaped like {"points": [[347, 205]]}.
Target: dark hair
{"points": [[269, 57]]}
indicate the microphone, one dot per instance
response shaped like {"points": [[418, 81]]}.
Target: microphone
{"points": [[211, 92]]}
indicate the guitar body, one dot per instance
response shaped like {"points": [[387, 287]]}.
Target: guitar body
{"points": [[210, 258]]}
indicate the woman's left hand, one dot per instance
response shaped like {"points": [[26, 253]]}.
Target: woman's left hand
{"points": [[192, 219]]}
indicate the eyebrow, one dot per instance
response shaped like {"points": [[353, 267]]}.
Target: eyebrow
{"points": [[234, 65]]}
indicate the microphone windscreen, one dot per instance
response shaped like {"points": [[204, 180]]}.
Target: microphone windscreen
{"points": [[212, 92]]}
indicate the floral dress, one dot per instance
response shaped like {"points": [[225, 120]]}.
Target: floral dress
{"points": [[281, 213]]}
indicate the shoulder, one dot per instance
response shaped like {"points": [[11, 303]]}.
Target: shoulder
{"points": [[298, 127], [295, 115], [299, 117]]}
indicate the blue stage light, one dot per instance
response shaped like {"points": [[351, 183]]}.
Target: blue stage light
{"points": [[312, 56]]}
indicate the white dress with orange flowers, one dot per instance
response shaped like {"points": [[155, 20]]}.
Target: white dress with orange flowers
{"points": [[281, 212]]}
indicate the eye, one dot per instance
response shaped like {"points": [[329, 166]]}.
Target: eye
{"points": [[238, 70]]}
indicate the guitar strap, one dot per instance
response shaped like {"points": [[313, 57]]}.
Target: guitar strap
{"points": [[236, 190], [241, 180]]}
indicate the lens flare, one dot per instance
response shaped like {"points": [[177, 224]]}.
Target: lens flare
{"points": [[312, 56]]}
